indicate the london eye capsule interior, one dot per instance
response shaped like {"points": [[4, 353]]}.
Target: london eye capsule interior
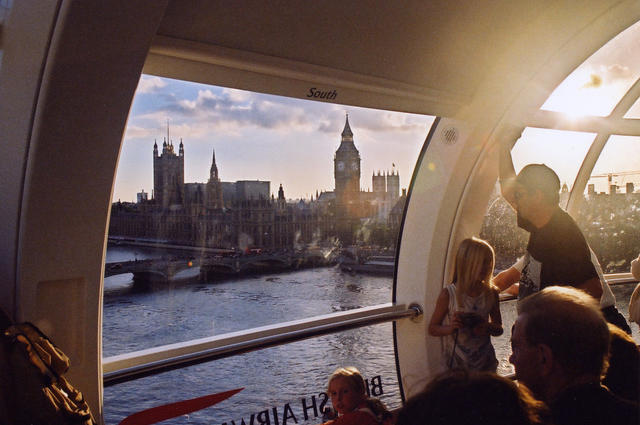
{"points": [[557, 80]]}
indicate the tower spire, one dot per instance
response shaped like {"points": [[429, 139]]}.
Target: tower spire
{"points": [[214, 188], [213, 173], [347, 134]]}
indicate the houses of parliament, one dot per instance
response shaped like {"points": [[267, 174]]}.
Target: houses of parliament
{"points": [[243, 214]]}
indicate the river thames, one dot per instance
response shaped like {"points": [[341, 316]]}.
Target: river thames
{"points": [[282, 385]]}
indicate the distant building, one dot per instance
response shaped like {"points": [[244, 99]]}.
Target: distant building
{"points": [[348, 196], [351, 204], [243, 213], [214, 187], [379, 184], [228, 192], [248, 190], [142, 196], [168, 175], [217, 214], [393, 185], [346, 168], [245, 190], [386, 191]]}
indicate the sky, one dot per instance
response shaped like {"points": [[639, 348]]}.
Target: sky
{"points": [[594, 88], [260, 137], [292, 142]]}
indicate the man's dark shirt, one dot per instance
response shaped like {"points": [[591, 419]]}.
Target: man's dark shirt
{"points": [[557, 254], [593, 404]]}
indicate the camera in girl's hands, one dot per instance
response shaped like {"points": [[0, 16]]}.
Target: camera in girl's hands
{"points": [[470, 320]]}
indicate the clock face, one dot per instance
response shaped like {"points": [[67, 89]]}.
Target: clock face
{"points": [[354, 166], [340, 165]]}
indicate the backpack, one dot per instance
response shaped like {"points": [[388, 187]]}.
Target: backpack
{"points": [[31, 378]]}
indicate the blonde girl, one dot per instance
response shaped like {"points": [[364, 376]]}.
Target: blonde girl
{"points": [[467, 311]]}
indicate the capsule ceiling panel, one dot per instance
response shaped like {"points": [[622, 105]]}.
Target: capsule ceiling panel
{"points": [[431, 45]]}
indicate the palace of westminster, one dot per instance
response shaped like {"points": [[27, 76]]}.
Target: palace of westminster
{"points": [[243, 214]]}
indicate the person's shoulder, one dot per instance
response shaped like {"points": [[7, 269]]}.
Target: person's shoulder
{"points": [[593, 403], [447, 290], [634, 305], [562, 227], [635, 268], [623, 411], [562, 218]]}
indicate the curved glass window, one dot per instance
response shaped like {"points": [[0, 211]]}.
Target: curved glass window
{"points": [[634, 111], [216, 185], [596, 86], [611, 209], [563, 151], [617, 166], [236, 210]]}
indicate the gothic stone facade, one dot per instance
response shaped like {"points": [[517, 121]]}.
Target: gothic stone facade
{"points": [[242, 214]]}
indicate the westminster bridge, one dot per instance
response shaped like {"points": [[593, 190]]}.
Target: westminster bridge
{"points": [[212, 267]]}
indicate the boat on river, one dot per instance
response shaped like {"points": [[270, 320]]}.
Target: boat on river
{"points": [[483, 70], [380, 265]]}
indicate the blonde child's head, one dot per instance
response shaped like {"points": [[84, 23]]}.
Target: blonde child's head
{"points": [[346, 389], [474, 265]]}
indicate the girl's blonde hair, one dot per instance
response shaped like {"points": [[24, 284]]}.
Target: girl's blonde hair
{"points": [[354, 377], [474, 266]]}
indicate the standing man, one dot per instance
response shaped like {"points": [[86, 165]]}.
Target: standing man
{"points": [[557, 252]]}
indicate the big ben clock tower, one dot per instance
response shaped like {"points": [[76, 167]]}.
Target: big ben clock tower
{"points": [[346, 167]]}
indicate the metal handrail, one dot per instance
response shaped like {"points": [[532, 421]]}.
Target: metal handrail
{"points": [[612, 279], [620, 278], [139, 364], [136, 365]]}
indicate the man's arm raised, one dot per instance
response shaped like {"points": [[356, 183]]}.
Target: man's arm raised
{"points": [[506, 171]]}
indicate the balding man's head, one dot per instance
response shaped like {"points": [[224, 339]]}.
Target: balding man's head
{"points": [[571, 324]]}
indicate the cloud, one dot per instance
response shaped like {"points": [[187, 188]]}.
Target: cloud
{"points": [[239, 96], [606, 75], [149, 84], [367, 120], [376, 121], [326, 126], [135, 132], [617, 72], [230, 108], [201, 111], [206, 103]]}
